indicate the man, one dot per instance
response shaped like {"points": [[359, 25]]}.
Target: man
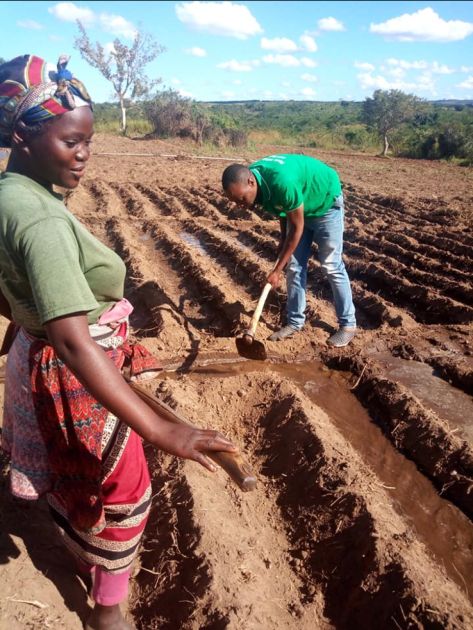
{"points": [[306, 195]]}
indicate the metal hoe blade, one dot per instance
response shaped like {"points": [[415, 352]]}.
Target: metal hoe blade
{"points": [[251, 348]]}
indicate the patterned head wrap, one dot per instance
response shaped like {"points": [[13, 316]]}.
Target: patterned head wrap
{"points": [[32, 91]]}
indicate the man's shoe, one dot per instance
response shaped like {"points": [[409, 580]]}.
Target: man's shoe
{"points": [[283, 333], [342, 337]]}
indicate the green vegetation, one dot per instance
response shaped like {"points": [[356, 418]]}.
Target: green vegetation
{"points": [[387, 111], [420, 129], [301, 123], [108, 119], [170, 115]]}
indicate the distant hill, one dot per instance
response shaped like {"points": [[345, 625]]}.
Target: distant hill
{"points": [[452, 102], [443, 102]]}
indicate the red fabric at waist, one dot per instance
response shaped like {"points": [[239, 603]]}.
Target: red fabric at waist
{"points": [[71, 422]]}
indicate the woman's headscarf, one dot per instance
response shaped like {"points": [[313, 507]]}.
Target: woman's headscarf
{"points": [[32, 91]]}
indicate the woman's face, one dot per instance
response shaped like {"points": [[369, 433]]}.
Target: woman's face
{"points": [[59, 154]]}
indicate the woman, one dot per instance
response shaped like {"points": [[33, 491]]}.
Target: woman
{"points": [[72, 425]]}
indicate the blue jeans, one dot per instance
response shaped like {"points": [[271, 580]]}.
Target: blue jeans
{"points": [[327, 232]]}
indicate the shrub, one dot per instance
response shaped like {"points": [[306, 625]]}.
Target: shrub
{"points": [[171, 115]]}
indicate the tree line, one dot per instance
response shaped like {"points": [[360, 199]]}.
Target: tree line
{"points": [[397, 123], [387, 123]]}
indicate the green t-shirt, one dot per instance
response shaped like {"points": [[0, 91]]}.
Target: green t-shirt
{"points": [[286, 181], [50, 265]]}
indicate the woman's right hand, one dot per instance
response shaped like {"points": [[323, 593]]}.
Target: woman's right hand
{"points": [[191, 443], [72, 342]]}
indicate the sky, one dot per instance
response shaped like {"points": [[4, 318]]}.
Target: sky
{"points": [[220, 51]]}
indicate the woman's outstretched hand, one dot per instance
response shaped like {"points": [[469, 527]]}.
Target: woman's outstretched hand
{"points": [[72, 342], [191, 443]]}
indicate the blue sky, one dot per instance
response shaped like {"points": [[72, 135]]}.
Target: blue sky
{"points": [[264, 50]]}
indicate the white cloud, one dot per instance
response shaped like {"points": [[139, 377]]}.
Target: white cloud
{"points": [[31, 24], [361, 65], [423, 84], [69, 12], [330, 24], [397, 73], [238, 66], [425, 81], [367, 80], [55, 38], [285, 45], [109, 48], [110, 23], [466, 69], [310, 78], [219, 18], [195, 51], [441, 68], [176, 81], [308, 91], [117, 25], [279, 44], [407, 65], [466, 84], [237, 82], [308, 42], [286, 61], [423, 25], [435, 67], [308, 63], [228, 94], [185, 94], [289, 61]]}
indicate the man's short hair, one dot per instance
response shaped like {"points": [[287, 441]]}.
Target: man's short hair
{"points": [[235, 174]]}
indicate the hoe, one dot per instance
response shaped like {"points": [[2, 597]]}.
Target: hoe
{"points": [[247, 345]]}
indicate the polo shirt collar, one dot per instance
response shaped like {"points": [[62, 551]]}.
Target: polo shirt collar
{"points": [[262, 185]]}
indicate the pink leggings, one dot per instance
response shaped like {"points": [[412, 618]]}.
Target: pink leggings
{"points": [[109, 588]]}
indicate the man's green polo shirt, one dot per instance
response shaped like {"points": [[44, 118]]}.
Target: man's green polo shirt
{"points": [[286, 181]]}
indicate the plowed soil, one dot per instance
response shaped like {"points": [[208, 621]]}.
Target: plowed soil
{"points": [[364, 455]]}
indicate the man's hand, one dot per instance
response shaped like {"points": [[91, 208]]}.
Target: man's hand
{"points": [[275, 279]]}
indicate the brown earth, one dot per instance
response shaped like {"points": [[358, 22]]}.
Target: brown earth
{"points": [[362, 513]]}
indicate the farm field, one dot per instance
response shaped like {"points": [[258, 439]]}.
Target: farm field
{"points": [[362, 515]]}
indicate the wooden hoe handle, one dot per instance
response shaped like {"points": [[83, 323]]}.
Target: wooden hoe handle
{"points": [[258, 310], [232, 463]]}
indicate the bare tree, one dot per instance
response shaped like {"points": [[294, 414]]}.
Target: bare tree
{"points": [[123, 66]]}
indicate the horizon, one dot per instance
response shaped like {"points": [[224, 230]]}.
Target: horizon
{"points": [[255, 100]]}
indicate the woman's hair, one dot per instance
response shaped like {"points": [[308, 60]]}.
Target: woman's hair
{"points": [[33, 130]]}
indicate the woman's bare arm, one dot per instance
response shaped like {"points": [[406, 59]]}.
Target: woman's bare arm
{"points": [[71, 340]]}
